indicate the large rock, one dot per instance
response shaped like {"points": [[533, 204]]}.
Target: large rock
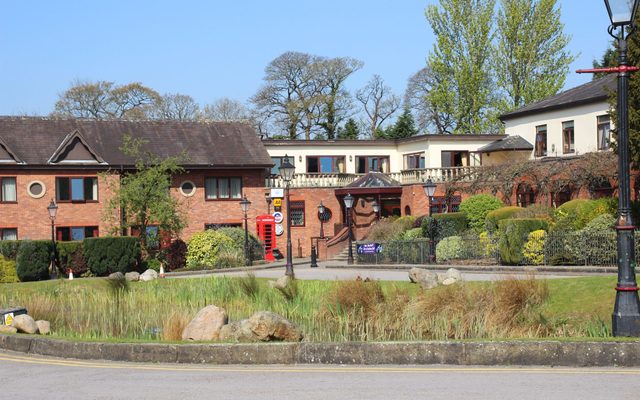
{"points": [[453, 273], [149, 275], [25, 324], [416, 274], [206, 324], [282, 282], [132, 276], [263, 326], [426, 279], [8, 329], [44, 327], [239, 331], [116, 276]]}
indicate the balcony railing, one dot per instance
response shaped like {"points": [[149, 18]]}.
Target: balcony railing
{"points": [[405, 177]]}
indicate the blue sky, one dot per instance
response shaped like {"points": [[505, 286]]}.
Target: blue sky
{"points": [[213, 49]]}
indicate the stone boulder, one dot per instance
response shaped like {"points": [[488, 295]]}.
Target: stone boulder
{"points": [[8, 329], [44, 327], [281, 283], [263, 326], [149, 275], [449, 281], [116, 276], [25, 324], [239, 331], [206, 324], [132, 276], [453, 273], [426, 279]]}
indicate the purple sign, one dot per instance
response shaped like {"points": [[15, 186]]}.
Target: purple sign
{"points": [[369, 248]]}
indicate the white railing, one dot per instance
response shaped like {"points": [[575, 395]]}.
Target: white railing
{"points": [[406, 177]]}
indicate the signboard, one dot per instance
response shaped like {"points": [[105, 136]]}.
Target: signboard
{"points": [[277, 202], [279, 230], [278, 217], [8, 319], [277, 192], [369, 248]]}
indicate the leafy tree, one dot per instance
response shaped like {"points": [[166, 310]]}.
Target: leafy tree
{"points": [[428, 114], [609, 59], [349, 131], [378, 103], [403, 128], [143, 195], [461, 62], [532, 60]]}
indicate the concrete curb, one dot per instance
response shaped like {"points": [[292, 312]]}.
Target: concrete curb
{"points": [[484, 268], [551, 353], [259, 267]]}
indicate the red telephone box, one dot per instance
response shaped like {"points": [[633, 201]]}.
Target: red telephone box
{"points": [[266, 229]]}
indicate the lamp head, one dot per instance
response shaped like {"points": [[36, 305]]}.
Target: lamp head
{"points": [[348, 200], [53, 209], [245, 204], [429, 187], [621, 12], [286, 169]]}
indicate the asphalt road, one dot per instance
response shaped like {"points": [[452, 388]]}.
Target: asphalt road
{"points": [[25, 377]]}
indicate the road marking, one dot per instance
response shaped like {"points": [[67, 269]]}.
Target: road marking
{"points": [[312, 369]]}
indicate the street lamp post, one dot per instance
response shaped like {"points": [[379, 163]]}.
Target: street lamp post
{"points": [[314, 249], [376, 209], [429, 188], [348, 203], [321, 215], [287, 171], [268, 200], [52, 208], [244, 205]]}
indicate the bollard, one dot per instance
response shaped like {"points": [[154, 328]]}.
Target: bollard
{"points": [[314, 259]]}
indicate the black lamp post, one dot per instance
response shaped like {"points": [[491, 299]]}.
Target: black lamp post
{"points": [[626, 312], [244, 205], [429, 188], [268, 200], [376, 209], [52, 208], [287, 171], [348, 203], [321, 215]]}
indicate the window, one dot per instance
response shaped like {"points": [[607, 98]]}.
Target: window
{"points": [[187, 188], [441, 204], [297, 213], [541, 141], [77, 189], [525, 195], [325, 164], [222, 188], [8, 190], [8, 233], [36, 189], [455, 159], [372, 164], [604, 132], [67, 233], [277, 162], [568, 139], [413, 161]]}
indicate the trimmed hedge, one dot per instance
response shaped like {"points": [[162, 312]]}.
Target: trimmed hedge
{"points": [[106, 255], [513, 236], [445, 225], [33, 259], [9, 248], [495, 216], [71, 257], [477, 207]]}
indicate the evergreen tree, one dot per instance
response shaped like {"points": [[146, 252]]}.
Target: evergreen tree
{"points": [[403, 128], [609, 59], [349, 131]]}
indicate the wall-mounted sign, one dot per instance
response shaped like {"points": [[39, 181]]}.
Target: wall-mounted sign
{"points": [[279, 230], [277, 202], [278, 217], [277, 192]]}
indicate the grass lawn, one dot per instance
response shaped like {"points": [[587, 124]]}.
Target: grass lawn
{"points": [[93, 309]]}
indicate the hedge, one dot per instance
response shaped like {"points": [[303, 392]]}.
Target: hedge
{"points": [[513, 235], [495, 216], [8, 272], [71, 257], [106, 255], [445, 225], [33, 259], [9, 248], [477, 207]]}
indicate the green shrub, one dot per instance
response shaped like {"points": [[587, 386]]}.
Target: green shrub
{"points": [[237, 235], [71, 257], [229, 257], [495, 216], [513, 234], [413, 233], [576, 214], [8, 272], [450, 248], [595, 244], [477, 207], [445, 225], [33, 259], [533, 250], [535, 211], [203, 248], [405, 222], [106, 255], [488, 245], [385, 229], [9, 248]]}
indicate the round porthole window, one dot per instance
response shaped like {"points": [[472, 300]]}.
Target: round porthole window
{"points": [[187, 188], [36, 189]]}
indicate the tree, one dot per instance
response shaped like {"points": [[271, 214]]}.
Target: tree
{"points": [[428, 115], [226, 110], [378, 103], [609, 59], [403, 128], [461, 62], [103, 100], [349, 131], [532, 60], [177, 107], [143, 196]]}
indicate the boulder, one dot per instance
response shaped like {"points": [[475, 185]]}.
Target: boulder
{"points": [[267, 326], [116, 276], [416, 274], [132, 276], [453, 274], [282, 282], [8, 329], [239, 331], [449, 281], [426, 279], [149, 275], [206, 324], [44, 327], [25, 324]]}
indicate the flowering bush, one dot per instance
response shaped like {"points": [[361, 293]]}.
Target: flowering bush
{"points": [[533, 250]]}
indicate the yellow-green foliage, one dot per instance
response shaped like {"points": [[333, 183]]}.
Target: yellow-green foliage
{"points": [[487, 245], [204, 247], [533, 250], [493, 217], [8, 271]]}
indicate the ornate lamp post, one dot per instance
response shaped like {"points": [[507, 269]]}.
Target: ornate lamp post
{"points": [[376, 209], [244, 205], [348, 203], [287, 171], [52, 208], [268, 200], [429, 188], [321, 214]]}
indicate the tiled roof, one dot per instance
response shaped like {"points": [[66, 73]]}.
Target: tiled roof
{"points": [[213, 144], [509, 143], [374, 180], [591, 92]]}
